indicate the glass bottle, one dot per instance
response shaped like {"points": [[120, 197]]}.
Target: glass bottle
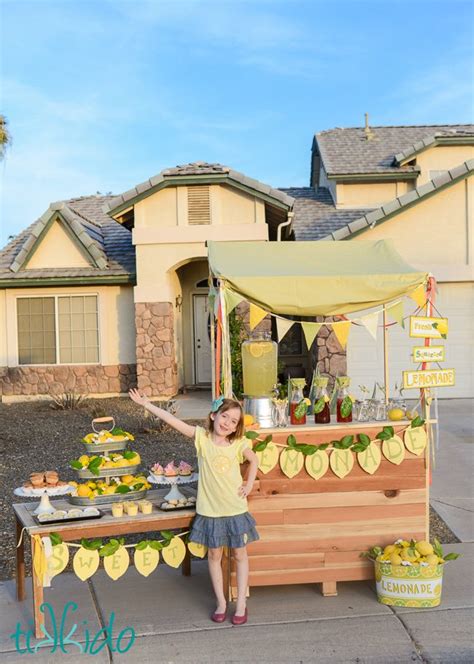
{"points": [[298, 405], [322, 413], [344, 401], [259, 365]]}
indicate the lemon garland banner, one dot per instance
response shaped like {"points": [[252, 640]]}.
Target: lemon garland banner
{"points": [[291, 456], [116, 559]]}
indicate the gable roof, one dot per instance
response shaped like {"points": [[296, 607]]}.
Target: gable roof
{"points": [[397, 205], [106, 242], [315, 215], [197, 173], [348, 151]]}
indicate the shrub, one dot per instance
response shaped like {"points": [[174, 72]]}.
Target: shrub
{"points": [[67, 400], [152, 424]]}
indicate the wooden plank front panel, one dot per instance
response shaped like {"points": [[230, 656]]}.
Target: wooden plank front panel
{"points": [[314, 530]]}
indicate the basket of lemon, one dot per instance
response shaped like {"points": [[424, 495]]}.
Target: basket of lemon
{"points": [[409, 573], [115, 489], [106, 465]]}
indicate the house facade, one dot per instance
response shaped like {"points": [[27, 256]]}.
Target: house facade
{"points": [[105, 293]]}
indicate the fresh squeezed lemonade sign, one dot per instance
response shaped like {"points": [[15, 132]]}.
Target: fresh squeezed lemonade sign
{"points": [[428, 328], [425, 327]]}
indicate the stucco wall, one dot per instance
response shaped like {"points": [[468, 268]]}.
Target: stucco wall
{"points": [[442, 158], [57, 249], [3, 329], [369, 195]]}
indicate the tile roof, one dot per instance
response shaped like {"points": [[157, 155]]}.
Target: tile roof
{"points": [[365, 220], [315, 215], [108, 243], [347, 150], [197, 169]]}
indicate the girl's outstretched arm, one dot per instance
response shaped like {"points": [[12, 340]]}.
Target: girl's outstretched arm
{"points": [[186, 429]]}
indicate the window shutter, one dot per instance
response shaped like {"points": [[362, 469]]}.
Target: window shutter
{"points": [[199, 210]]}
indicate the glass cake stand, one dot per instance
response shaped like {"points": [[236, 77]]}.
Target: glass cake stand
{"points": [[174, 493]]}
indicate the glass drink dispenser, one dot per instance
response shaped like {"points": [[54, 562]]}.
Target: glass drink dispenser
{"points": [[259, 365]]}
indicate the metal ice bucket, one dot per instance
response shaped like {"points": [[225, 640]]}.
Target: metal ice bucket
{"points": [[261, 409]]}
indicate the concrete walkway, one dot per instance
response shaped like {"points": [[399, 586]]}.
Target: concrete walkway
{"points": [[169, 614]]}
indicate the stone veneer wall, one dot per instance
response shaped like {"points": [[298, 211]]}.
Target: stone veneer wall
{"points": [[157, 373], [331, 359], [58, 379]]}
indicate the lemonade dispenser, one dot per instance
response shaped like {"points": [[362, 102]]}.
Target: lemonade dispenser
{"points": [[259, 365]]}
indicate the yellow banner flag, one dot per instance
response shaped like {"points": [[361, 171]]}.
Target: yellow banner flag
{"points": [[256, 315], [310, 331], [419, 296], [231, 300], [283, 325], [370, 322], [395, 311], [341, 330]]}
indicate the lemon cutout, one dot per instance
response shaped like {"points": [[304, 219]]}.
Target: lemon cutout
{"points": [[291, 462], [341, 462], [174, 553], [58, 560], [117, 564], [146, 560], [369, 460], [393, 449], [85, 563], [196, 549], [415, 440], [317, 464], [268, 458]]}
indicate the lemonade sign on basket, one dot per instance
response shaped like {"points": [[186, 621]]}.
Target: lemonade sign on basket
{"points": [[409, 573]]}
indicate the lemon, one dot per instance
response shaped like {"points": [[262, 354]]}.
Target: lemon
{"points": [[248, 419], [395, 414], [389, 549], [135, 459], [425, 548], [437, 590], [432, 559], [127, 479], [72, 483], [410, 555], [84, 491], [84, 459], [442, 328], [395, 559], [411, 414], [259, 349], [91, 485]]}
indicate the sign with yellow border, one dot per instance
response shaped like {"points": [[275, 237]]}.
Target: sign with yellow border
{"points": [[427, 354], [428, 328], [428, 378]]}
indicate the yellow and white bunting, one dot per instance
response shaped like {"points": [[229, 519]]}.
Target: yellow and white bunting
{"points": [[85, 563], [310, 331], [415, 440], [341, 330], [174, 553], [232, 300], [291, 462], [369, 460], [283, 327], [341, 462], [393, 449], [317, 464], [146, 560], [268, 458], [256, 316], [419, 295], [371, 322], [396, 312], [117, 564]]}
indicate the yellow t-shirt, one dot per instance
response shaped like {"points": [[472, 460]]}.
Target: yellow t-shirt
{"points": [[219, 476]]}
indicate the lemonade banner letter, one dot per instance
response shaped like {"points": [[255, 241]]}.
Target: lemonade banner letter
{"points": [[317, 464], [291, 462], [267, 458], [85, 563], [341, 462], [393, 449], [146, 560]]}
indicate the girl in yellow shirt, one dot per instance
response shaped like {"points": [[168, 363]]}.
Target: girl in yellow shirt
{"points": [[222, 517]]}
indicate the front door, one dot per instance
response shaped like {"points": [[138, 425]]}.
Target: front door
{"points": [[202, 342]]}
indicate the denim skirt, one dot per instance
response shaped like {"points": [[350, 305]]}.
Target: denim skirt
{"points": [[233, 531]]}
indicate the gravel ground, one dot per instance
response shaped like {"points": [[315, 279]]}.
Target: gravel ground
{"points": [[35, 437]]}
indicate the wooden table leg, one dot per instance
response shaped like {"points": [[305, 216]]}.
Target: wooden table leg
{"points": [[37, 596], [329, 588], [20, 563]]}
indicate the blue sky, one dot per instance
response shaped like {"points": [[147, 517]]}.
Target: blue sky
{"points": [[102, 94]]}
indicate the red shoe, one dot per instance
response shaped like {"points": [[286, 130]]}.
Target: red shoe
{"points": [[219, 617], [240, 620]]}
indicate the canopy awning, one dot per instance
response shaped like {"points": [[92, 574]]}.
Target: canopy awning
{"points": [[314, 278]]}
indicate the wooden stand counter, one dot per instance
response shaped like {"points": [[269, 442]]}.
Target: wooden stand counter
{"points": [[314, 530]]}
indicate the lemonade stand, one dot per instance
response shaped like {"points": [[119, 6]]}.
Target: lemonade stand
{"points": [[324, 492]]}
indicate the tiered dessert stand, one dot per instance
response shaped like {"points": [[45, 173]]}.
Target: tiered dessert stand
{"points": [[173, 481], [99, 425]]}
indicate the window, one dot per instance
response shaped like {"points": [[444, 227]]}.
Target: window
{"points": [[58, 330]]}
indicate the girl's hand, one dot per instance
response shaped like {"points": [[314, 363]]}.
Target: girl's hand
{"points": [[244, 490], [138, 398]]}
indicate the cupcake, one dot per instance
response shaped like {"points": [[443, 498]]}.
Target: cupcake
{"points": [[184, 469], [170, 470], [157, 470]]}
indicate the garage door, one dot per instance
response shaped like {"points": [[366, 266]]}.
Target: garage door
{"points": [[365, 356]]}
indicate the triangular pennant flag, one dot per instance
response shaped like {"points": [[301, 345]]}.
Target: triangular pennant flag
{"points": [[310, 331], [419, 295], [256, 315], [232, 300], [283, 325], [395, 311], [370, 322], [341, 330]]}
